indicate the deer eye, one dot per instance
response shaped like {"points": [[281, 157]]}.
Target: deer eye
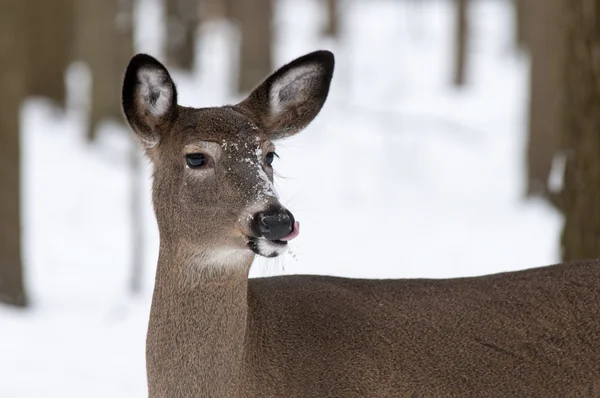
{"points": [[196, 160], [270, 157]]}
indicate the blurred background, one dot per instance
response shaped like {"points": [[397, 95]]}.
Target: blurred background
{"points": [[460, 137]]}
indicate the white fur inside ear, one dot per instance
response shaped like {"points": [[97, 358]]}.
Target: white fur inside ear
{"points": [[155, 91], [292, 87]]}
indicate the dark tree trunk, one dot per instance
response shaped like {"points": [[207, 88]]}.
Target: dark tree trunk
{"points": [[581, 134], [333, 15], [461, 37], [520, 18], [546, 44], [105, 44], [49, 48], [518, 23], [13, 55], [182, 22], [254, 17]]}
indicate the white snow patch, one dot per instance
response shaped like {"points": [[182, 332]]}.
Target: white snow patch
{"points": [[268, 188], [557, 173]]}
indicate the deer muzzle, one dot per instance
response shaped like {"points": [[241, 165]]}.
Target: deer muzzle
{"points": [[275, 224]]}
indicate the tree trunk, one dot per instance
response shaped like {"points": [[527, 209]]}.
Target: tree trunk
{"points": [[49, 47], [136, 196], [105, 44], [13, 55], [521, 18], [461, 37], [254, 18], [546, 36], [333, 15], [215, 10], [518, 23], [182, 22], [581, 133]]}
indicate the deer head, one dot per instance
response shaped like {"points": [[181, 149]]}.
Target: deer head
{"points": [[213, 178]]}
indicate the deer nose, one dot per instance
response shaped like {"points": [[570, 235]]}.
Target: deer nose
{"points": [[274, 224]]}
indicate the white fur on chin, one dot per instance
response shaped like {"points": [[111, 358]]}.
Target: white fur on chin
{"points": [[269, 249]]}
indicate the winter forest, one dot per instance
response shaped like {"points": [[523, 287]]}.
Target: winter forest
{"points": [[459, 138]]}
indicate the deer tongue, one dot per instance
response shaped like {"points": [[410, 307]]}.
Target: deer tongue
{"points": [[293, 234]]}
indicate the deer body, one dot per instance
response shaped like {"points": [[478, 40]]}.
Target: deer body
{"points": [[215, 333], [533, 333]]}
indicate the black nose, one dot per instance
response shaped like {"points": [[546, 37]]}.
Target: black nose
{"points": [[274, 224]]}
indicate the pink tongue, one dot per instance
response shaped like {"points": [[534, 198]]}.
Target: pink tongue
{"points": [[294, 233]]}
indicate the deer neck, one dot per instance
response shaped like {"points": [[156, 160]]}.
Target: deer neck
{"points": [[195, 339]]}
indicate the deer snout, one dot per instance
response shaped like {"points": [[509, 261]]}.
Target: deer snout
{"points": [[274, 223]]}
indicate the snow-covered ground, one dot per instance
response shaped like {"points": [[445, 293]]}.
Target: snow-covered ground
{"points": [[400, 176]]}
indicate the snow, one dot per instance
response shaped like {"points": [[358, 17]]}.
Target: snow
{"points": [[268, 189], [399, 176]]}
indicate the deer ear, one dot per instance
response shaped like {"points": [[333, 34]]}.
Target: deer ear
{"points": [[289, 99], [149, 98]]}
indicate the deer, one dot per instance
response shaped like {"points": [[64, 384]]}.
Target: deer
{"points": [[215, 332]]}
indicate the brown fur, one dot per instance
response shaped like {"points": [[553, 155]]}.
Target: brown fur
{"points": [[215, 333]]}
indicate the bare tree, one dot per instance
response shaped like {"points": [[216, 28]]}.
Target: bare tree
{"points": [[461, 37], [332, 25], [520, 22], [104, 43], [546, 33], [49, 47], [254, 18], [182, 22], [13, 54], [216, 9], [581, 133]]}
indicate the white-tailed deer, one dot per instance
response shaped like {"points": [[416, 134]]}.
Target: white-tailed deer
{"points": [[215, 333]]}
